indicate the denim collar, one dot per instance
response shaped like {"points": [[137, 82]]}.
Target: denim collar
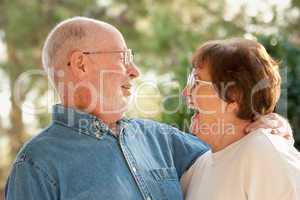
{"points": [[82, 122]]}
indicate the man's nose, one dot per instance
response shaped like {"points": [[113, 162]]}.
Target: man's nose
{"points": [[133, 71]]}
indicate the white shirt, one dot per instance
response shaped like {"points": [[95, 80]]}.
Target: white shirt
{"points": [[260, 166]]}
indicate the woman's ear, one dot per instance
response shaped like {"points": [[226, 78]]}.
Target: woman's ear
{"points": [[232, 107]]}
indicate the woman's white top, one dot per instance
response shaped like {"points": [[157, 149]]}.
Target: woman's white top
{"points": [[260, 166]]}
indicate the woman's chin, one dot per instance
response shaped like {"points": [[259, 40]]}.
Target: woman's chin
{"points": [[199, 129]]}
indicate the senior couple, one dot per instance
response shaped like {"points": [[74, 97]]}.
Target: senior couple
{"points": [[90, 151]]}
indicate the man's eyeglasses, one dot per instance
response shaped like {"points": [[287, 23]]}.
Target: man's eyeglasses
{"points": [[127, 55]]}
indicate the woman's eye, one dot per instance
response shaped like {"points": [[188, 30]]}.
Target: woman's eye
{"points": [[195, 84]]}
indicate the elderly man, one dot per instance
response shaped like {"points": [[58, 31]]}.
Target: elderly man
{"points": [[90, 151]]}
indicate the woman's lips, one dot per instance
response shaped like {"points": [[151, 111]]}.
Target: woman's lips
{"points": [[192, 106]]}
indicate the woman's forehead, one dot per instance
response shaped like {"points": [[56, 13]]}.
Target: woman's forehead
{"points": [[202, 73]]}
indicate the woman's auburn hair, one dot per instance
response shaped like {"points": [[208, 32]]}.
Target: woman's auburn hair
{"points": [[242, 71]]}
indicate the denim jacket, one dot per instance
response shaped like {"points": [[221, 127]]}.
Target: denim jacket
{"points": [[78, 158]]}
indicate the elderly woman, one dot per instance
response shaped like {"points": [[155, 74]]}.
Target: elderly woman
{"points": [[233, 82]]}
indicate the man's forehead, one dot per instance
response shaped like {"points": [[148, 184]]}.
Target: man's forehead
{"points": [[110, 40]]}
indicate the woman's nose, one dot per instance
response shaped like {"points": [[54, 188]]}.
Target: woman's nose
{"points": [[185, 92]]}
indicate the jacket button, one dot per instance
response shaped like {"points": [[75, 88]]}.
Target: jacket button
{"points": [[98, 136], [134, 170], [96, 123]]}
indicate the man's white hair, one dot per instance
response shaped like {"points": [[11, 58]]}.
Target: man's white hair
{"points": [[68, 35]]}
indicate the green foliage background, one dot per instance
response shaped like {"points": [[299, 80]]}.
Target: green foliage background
{"points": [[162, 33]]}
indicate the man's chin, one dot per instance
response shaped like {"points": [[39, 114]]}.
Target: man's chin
{"points": [[111, 117]]}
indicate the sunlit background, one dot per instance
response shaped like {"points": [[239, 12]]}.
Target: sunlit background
{"points": [[163, 35]]}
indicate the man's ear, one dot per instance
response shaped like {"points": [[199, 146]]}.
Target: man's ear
{"points": [[78, 63]]}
